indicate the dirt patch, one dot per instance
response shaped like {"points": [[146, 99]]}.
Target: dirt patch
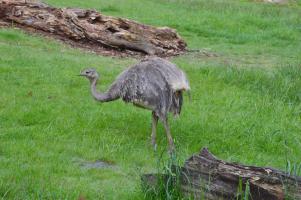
{"points": [[277, 1], [98, 164], [281, 2], [200, 53], [4, 24]]}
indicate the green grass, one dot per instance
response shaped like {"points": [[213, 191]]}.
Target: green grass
{"points": [[245, 102]]}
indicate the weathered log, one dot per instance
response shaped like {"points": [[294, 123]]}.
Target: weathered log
{"points": [[203, 176], [90, 26]]}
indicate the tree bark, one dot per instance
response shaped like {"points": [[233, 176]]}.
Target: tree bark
{"points": [[203, 176], [92, 27]]}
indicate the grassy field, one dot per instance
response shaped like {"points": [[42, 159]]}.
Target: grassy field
{"points": [[245, 100]]}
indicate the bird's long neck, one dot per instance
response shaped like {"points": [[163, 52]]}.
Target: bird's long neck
{"points": [[99, 96]]}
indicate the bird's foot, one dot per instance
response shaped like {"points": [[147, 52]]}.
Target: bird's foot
{"points": [[171, 146], [155, 147], [171, 150], [154, 144]]}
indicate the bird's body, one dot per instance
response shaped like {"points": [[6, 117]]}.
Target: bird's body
{"points": [[154, 84]]}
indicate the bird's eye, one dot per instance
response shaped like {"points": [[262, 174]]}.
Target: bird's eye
{"points": [[87, 72]]}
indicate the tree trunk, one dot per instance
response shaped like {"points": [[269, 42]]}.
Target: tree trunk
{"points": [[92, 28], [203, 176]]}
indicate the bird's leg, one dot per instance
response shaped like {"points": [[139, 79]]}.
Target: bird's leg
{"points": [[171, 146], [154, 129]]}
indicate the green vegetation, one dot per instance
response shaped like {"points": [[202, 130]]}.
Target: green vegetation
{"points": [[245, 101]]}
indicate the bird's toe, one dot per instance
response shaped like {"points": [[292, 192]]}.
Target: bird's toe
{"points": [[155, 147], [171, 150]]}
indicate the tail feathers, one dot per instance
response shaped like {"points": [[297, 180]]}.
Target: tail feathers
{"points": [[176, 86], [185, 88], [180, 83], [177, 102]]}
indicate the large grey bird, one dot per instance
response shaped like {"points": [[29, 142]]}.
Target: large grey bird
{"points": [[154, 84]]}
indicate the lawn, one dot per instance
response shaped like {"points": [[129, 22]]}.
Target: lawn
{"points": [[245, 107]]}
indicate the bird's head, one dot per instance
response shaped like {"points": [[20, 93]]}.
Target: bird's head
{"points": [[90, 73]]}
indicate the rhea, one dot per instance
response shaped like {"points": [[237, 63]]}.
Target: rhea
{"points": [[154, 84]]}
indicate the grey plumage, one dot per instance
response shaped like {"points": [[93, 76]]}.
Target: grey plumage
{"points": [[154, 84]]}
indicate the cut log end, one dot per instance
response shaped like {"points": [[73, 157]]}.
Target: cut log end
{"points": [[92, 28]]}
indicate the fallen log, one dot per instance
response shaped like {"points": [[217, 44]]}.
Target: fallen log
{"points": [[92, 28], [203, 176]]}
